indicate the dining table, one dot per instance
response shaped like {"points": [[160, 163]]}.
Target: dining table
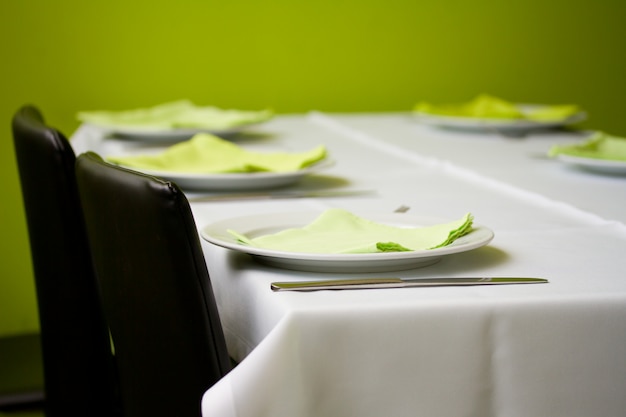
{"points": [[555, 349]]}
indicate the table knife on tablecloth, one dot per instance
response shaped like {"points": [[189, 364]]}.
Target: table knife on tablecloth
{"points": [[370, 283], [277, 195]]}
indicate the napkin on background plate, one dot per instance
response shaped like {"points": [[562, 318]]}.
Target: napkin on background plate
{"points": [[177, 114], [205, 153], [486, 106], [598, 146], [550, 113], [339, 231]]}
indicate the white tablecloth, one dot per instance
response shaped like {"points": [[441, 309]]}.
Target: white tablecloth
{"points": [[556, 349]]}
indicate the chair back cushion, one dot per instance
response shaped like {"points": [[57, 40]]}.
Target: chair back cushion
{"points": [[156, 290]]}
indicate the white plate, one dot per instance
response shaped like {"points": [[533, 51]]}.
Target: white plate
{"points": [[257, 225], [593, 164], [155, 135], [236, 181], [473, 123]]}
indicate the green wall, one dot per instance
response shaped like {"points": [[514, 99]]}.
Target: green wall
{"points": [[293, 56]]}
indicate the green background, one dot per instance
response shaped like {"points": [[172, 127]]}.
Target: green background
{"points": [[293, 56]]}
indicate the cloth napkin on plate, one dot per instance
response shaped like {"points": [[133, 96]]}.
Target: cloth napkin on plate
{"points": [[177, 114], [598, 146], [205, 153], [549, 113], [486, 106], [339, 231]]}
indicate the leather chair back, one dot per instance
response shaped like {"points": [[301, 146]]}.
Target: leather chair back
{"points": [[79, 373], [156, 290]]}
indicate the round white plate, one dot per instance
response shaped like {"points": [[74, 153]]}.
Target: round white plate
{"points": [[155, 135], [472, 123], [593, 164], [236, 181], [257, 225]]}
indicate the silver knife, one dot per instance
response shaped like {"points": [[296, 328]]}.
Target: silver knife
{"points": [[365, 283], [278, 195]]}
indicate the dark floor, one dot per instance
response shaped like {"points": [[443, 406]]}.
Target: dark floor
{"points": [[22, 413], [21, 374]]}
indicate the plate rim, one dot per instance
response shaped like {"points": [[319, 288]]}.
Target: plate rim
{"points": [[157, 134], [613, 165], [236, 181]]}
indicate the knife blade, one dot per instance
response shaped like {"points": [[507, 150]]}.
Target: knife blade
{"points": [[278, 195], [369, 283]]}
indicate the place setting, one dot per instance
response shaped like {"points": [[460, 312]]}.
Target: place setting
{"points": [[487, 113], [340, 241], [600, 152], [206, 162], [173, 121]]}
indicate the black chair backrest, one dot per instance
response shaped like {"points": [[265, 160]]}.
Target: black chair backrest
{"points": [[156, 290], [77, 359]]}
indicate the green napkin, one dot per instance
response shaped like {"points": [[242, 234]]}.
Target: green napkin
{"points": [[339, 231], [177, 114], [205, 153], [599, 146], [550, 113], [486, 106]]}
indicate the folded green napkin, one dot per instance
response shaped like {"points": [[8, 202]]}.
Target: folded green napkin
{"points": [[205, 153], [486, 106], [550, 113], [177, 114], [339, 231], [483, 106], [599, 146]]}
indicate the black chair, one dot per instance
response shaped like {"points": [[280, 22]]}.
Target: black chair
{"points": [[78, 368], [155, 286]]}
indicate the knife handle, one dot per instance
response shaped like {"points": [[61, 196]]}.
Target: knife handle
{"points": [[338, 284]]}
